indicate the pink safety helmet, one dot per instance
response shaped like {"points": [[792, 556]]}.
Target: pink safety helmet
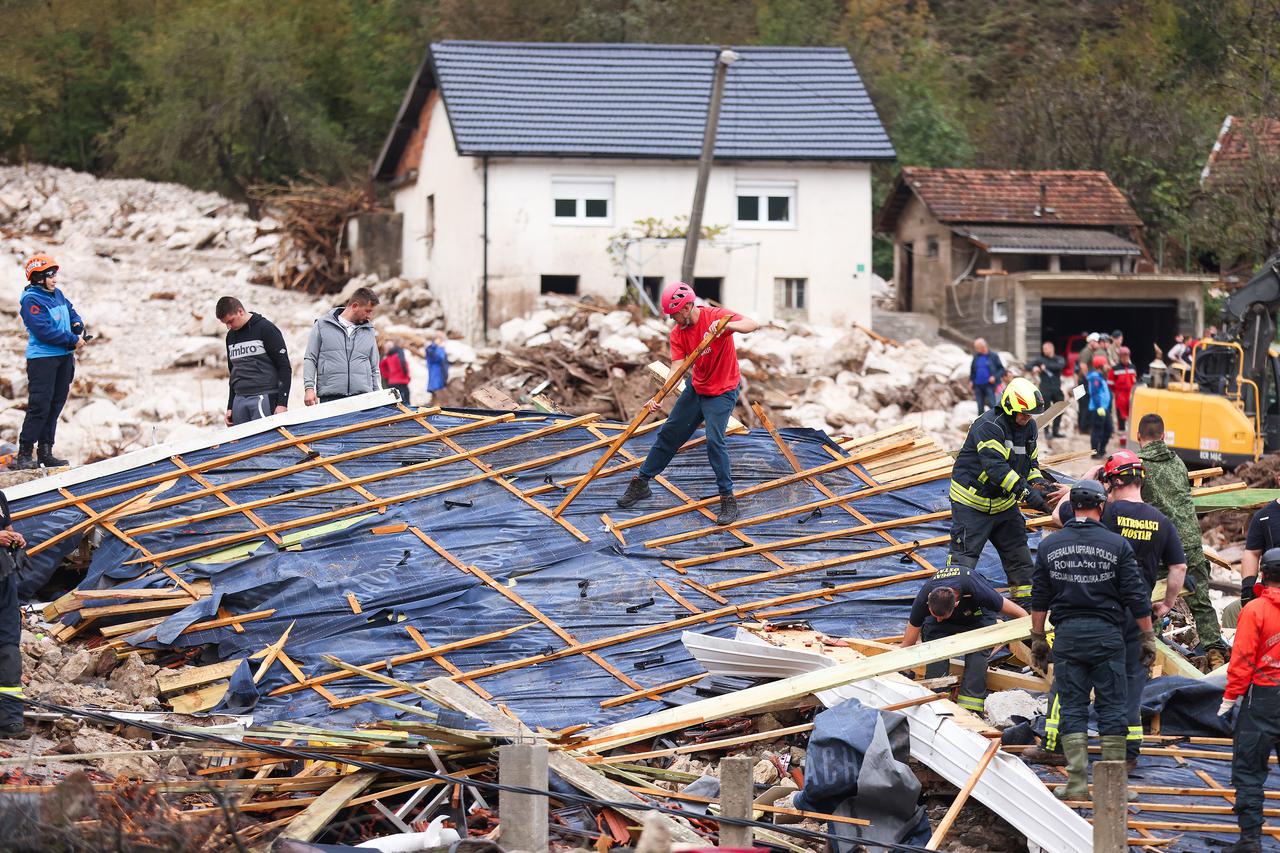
{"points": [[676, 296]]}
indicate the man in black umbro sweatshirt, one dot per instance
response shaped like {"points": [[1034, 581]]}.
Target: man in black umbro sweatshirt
{"points": [[258, 361]]}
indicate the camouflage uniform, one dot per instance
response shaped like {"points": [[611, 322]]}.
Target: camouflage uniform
{"points": [[1166, 487]]}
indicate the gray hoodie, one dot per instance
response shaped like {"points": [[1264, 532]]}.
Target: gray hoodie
{"points": [[338, 366]]}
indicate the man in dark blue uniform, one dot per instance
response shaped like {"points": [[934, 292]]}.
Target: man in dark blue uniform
{"points": [[10, 628], [1155, 544], [1087, 579], [953, 601], [997, 468]]}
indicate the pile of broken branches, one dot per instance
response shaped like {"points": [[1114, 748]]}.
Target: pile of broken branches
{"points": [[313, 215]]}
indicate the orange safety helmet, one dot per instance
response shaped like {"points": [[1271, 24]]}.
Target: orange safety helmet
{"points": [[39, 263], [1099, 361]]}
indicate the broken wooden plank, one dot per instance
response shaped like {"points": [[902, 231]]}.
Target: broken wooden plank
{"points": [[177, 682], [570, 768], [748, 700], [317, 815]]}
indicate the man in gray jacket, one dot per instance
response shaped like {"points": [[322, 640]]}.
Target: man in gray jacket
{"points": [[342, 352]]}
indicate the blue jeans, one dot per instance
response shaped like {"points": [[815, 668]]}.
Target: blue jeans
{"points": [[690, 411], [986, 397]]}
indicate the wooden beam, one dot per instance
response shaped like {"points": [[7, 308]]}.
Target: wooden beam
{"points": [[210, 464], [322, 809], [944, 826], [376, 476], [748, 700], [176, 682], [847, 497], [760, 488]]}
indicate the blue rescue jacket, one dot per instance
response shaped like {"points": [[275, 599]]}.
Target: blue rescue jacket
{"points": [[50, 320]]}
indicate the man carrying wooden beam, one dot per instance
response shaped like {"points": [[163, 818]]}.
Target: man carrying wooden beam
{"points": [[708, 398], [996, 469], [955, 600], [1088, 578]]}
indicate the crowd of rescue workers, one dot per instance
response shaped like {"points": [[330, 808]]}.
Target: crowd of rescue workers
{"points": [[1124, 526]]}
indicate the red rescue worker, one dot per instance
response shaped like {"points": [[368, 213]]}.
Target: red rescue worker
{"points": [[1122, 378], [1253, 684]]}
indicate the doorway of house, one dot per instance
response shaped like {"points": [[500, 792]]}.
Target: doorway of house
{"points": [[1144, 322]]}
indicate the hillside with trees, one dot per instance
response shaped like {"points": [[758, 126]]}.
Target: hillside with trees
{"points": [[227, 94]]}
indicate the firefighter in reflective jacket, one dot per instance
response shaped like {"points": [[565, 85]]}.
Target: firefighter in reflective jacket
{"points": [[994, 472], [1088, 579], [1253, 687]]}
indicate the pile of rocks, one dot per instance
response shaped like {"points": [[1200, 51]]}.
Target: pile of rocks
{"points": [[843, 381]]}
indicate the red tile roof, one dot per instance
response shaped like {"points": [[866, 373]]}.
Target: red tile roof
{"points": [[1238, 143], [1051, 197]]}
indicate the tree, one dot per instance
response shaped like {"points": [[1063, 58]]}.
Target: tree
{"points": [[223, 101]]}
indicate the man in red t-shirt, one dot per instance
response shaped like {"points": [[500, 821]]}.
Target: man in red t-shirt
{"points": [[708, 397]]}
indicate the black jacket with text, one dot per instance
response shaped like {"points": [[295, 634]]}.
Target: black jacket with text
{"points": [[258, 360], [1086, 570]]}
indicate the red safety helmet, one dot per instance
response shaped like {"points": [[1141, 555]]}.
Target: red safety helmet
{"points": [[1099, 361], [1123, 352], [39, 263], [676, 296], [1122, 462]]}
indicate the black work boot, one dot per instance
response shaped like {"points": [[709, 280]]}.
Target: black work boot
{"points": [[1245, 845], [24, 461], [14, 731], [48, 460], [637, 490], [1040, 755], [728, 510]]}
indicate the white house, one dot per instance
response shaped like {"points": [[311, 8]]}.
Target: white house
{"points": [[523, 168]]}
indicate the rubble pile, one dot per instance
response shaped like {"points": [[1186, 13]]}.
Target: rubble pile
{"points": [[585, 356]]}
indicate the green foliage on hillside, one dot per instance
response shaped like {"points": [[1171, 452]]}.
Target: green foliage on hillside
{"points": [[225, 93]]}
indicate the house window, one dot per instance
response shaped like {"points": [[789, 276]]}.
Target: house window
{"points": [[430, 234], [708, 289], [767, 204], [564, 284], [790, 297], [931, 247], [652, 285], [582, 201]]}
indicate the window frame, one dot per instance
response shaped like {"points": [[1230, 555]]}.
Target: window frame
{"points": [[763, 191], [581, 189], [786, 291]]}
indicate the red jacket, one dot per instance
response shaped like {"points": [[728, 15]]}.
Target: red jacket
{"points": [[394, 368], [1122, 378], [1255, 652]]}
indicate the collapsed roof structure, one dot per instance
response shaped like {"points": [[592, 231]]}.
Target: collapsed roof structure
{"points": [[361, 561]]}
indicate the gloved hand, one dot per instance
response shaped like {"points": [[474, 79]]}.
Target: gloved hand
{"points": [[1246, 590], [77, 329], [1148, 656], [1040, 651], [1034, 499], [1227, 706], [1102, 413]]}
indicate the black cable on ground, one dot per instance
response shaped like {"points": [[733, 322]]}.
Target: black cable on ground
{"points": [[313, 755]]}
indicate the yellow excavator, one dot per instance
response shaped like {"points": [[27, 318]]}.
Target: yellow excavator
{"points": [[1226, 411]]}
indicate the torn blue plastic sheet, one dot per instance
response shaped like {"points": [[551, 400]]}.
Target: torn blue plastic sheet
{"points": [[537, 590]]}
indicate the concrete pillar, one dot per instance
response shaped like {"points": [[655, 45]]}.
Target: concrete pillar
{"points": [[1110, 807], [737, 792], [523, 816]]}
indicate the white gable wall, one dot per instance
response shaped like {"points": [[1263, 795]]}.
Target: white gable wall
{"points": [[829, 241]]}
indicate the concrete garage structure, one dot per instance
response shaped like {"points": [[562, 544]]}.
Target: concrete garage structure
{"points": [[1021, 257], [515, 167]]}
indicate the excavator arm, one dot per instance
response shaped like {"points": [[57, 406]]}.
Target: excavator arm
{"points": [[1250, 319]]}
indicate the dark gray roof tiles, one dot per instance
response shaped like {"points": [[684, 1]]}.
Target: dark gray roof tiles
{"points": [[629, 100]]}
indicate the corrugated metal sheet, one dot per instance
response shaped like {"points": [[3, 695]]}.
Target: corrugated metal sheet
{"points": [[626, 100], [1062, 241]]}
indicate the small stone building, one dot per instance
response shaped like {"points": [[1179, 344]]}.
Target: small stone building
{"points": [[1020, 257]]}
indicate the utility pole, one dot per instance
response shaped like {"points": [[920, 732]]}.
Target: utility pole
{"points": [[726, 58]]}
